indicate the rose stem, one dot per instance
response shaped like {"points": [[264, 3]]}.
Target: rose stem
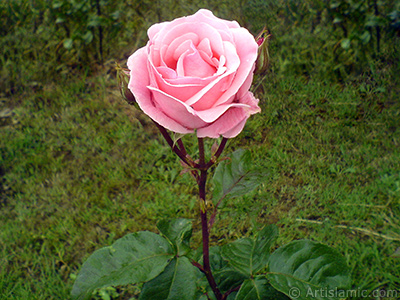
{"points": [[212, 161], [204, 224], [182, 147], [230, 291], [221, 147], [174, 148], [201, 181], [217, 153]]}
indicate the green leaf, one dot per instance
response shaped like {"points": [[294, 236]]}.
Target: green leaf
{"points": [[178, 232], [304, 268], [177, 282], [225, 275], [262, 247], [58, 4], [137, 257], [88, 37], [238, 254], [248, 256], [200, 296], [60, 20], [116, 14], [345, 43], [335, 5], [337, 20], [252, 289], [259, 288], [365, 37], [235, 177], [68, 43], [374, 21], [232, 296], [273, 294], [96, 21]]}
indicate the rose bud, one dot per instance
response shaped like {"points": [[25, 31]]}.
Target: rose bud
{"points": [[123, 79], [262, 62], [129, 97]]}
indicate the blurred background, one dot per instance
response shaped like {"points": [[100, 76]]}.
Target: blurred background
{"points": [[79, 168], [44, 40]]}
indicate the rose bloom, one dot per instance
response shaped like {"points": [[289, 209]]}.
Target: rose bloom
{"points": [[194, 74]]}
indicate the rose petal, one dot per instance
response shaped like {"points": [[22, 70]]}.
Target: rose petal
{"points": [[246, 48], [234, 118], [166, 73], [182, 88], [221, 25], [210, 95], [231, 123], [202, 30], [179, 45], [176, 110], [233, 132], [212, 114], [139, 76], [195, 66], [244, 89], [138, 82], [204, 47], [180, 70], [247, 101]]}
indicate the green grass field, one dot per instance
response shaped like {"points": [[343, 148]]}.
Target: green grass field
{"points": [[79, 168]]}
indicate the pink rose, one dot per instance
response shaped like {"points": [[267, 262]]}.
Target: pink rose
{"points": [[194, 74]]}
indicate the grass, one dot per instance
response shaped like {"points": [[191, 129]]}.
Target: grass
{"points": [[86, 169], [80, 169]]}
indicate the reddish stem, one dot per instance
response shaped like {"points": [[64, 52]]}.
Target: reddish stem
{"points": [[179, 152], [182, 147], [204, 224], [202, 167], [217, 154], [225, 296]]}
